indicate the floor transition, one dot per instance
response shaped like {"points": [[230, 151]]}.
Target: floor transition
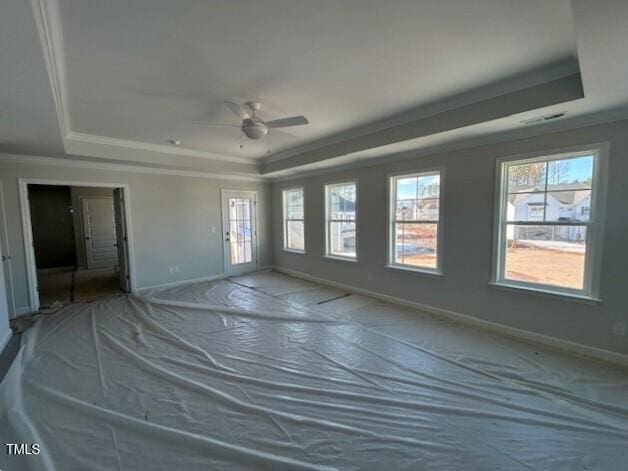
{"points": [[271, 372], [77, 286]]}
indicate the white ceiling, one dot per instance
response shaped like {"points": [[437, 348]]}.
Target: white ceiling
{"points": [[129, 74], [144, 70]]}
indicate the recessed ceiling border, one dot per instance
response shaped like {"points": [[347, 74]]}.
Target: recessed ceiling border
{"points": [[48, 25], [119, 167]]}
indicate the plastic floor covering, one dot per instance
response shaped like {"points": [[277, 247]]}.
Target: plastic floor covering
{"points": [[270, 372]]}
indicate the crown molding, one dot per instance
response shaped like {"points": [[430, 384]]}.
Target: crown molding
{"points": [[146, 146], [339, 164], [48, 25], [524, 99], [532, 78], [115, 167]]}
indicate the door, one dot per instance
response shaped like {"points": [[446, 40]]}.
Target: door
{"points": [[239, 231], [5, 256], [99, 232], [121, 239], [5, 331]]}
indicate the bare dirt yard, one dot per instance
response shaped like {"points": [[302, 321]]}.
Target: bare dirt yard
{"points": [[533, 264], [552, 267], [424, 260]]}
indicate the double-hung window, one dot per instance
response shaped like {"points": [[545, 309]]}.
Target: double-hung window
{"points": [[341, 206], [548, 223], [293, 220], [414, 226]]}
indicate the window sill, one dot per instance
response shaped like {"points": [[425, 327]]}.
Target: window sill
{"points": [[548, 293], [299, 252], [341, 259], [416, 271]]}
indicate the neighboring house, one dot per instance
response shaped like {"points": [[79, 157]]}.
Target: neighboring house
{"points": [[568, 202], [425, 209]]}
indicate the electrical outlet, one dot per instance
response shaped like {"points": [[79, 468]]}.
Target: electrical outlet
{"points": [[170, 270], [619, 328], [213, 229], [177, 269]]}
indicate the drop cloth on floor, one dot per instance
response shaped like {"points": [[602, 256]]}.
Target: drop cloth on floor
{"points": [[270, 372]]}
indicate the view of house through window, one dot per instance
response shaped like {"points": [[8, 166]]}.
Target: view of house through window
{"points": [[546, 212], [341, 208], [293, 220], [415, 216]]}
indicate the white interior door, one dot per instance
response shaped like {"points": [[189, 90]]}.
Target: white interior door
{"points": [[100, 232], [239, 231], [121, 239]]}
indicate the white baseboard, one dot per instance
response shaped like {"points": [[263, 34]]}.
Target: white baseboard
{"points": [[5, 340], [181, 282], [573, 347]]}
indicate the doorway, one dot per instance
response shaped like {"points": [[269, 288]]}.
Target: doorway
{"points": [[239, 223], [76, 240]]}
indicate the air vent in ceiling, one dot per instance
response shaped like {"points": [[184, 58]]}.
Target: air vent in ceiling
{"points": [[541, 119]]}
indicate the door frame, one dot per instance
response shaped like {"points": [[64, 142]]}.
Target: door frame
{"points": [[27, 229], [8, 274], [225, 218]]}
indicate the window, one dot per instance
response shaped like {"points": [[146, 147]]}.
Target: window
{"points": [[293, 220], [340, 220], [546, 223], [415, 221], [240, 228], [535, 213]]}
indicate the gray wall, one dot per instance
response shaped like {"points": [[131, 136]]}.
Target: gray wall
{"points": [[469, 180], [171, 221]]}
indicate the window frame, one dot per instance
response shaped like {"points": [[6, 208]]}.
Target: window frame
{"points": [[595, 226], [286, 219], [390, 218], [326, 222]]}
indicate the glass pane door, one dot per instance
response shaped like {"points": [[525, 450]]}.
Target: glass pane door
{"points": [[240, 230]]}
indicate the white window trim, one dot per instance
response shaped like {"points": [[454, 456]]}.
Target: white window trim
{"points": [[285, 219], [326, 252], [595, 226], [438, 271]]}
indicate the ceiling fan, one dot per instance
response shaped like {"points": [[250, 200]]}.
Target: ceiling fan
{"points": [[253, 126]]}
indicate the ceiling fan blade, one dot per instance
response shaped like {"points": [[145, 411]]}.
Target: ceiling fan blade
{"points": [[237, 110], [286, 122], [215, 125]]}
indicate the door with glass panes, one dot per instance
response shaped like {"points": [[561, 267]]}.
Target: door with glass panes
{"points": [[239, 229]]}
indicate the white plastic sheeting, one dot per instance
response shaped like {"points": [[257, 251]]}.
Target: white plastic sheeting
{"points": [[265, 372]]}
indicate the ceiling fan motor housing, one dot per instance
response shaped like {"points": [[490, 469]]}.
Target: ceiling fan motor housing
{"points": [[254, 129]]}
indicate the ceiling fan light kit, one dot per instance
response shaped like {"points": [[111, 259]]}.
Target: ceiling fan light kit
{"points": [[253, 126], [254, 129]]}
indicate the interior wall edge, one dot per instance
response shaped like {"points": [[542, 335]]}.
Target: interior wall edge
{"points": [[526, 335], [5, 340]]}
